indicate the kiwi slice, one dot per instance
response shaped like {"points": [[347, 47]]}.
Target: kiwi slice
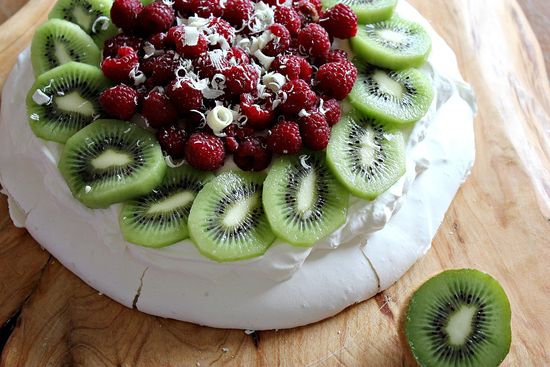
{"points": [[227, 221], [393, 97], [394, 44], [159, 218], [58, 42], [459, 318], [367, 11], [111, 161], [303, 201], [64, 100], [93, 16], [365, 156]]}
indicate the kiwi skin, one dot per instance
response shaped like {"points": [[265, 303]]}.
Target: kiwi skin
{"points": [[409, 352]]}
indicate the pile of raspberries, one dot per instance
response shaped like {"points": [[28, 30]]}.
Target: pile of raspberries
{"points": [[298, 115]]}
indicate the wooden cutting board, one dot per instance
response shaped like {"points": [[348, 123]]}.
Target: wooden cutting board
{"points": [[499, 223]]}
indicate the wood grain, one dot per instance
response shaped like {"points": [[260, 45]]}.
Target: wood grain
{"points": [[498, 223]]}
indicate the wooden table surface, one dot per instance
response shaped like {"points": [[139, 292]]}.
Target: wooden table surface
{"points": [[499, 223]]}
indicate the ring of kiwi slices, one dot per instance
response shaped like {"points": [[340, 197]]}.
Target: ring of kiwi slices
{"points": [[233, 215]]}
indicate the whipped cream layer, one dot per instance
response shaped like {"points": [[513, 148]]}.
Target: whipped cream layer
{"points": [[288, 286]]}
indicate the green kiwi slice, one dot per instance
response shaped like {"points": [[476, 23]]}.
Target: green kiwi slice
{"points": [[459, 318], [159, 218], [367, 11], [365, 156], [64, 100], [303, 201], [93, 16], [112, 161], [394, 44], [393, 97], [227, 221], [58, 42]]}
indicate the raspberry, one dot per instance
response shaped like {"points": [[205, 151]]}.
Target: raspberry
{"points": [[241, 79], [257, 117], [340, 21], [280, 42], [124, 14], [314, 41], [289, 18], [336, 79], [158, 40], [223, 28], [296, 95], [252, 155], [210, 64], [315, 131], [119, 102], [185, 7], [177, 36], [231, 144], [205, 152], [318, 5], [292, 66], [332, 111], [285, 138], [336, 55], [160, 69], [118, 69], [156, 17], [238, 12], [158, 110], [172, 140], [307, 11], [240, 133], [239, 55], [206, 8], [184, 96], [111, 46]]}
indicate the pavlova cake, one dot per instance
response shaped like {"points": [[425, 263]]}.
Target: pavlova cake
{"points": [[239, 164]]}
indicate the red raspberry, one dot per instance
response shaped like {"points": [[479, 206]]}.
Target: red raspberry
{"points": [[205, 152], [124, 14], [240, 133], [223, 28], [231, 144], [281, 41], [318, 5], [315, 131], [160, 69], [258, 117], [336, 79], [172, 140], [314, 41], [119, 102], [239, 55], [307, 11], [158, 110], [337, 56], [252, 155], [111, 46], [206, 8], [292, 66], [118, 69], [289, 18], [340, 21], [210, 64], [184, 96], [238, 12], [176, 35], [156, 17], [332, 110], [185, 7], [158, 40], [285, 138], [296, 95], [241, 79]]}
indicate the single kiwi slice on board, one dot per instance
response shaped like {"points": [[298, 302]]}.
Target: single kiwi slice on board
{"points": [[58, 42], [459, 318], [93, 16], [394, 44], [227, 221], [393, 97], [159, 218], [64, 100], [367, 11], [366, 156], [303, 201], [112, 161]]}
